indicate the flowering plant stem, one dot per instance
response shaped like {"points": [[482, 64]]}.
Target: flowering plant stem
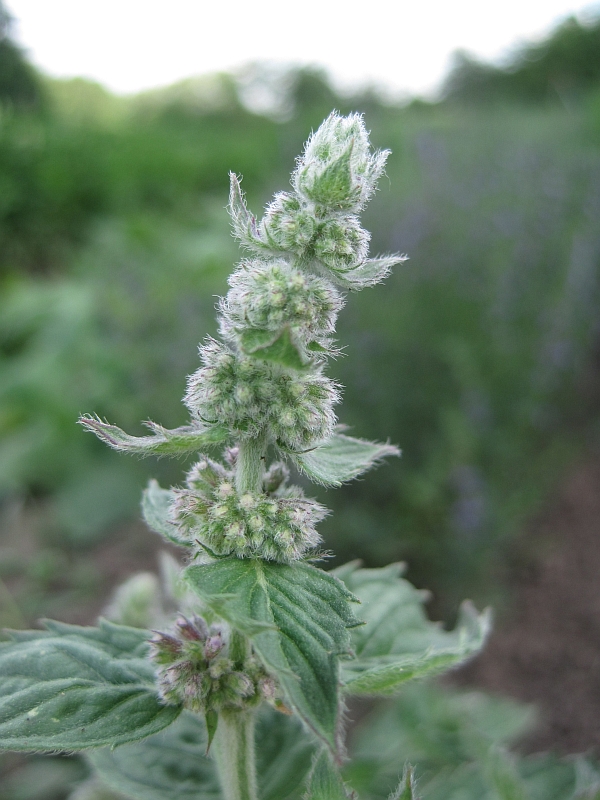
{"points": [[258, 622], [234, 755], [250, 465]]}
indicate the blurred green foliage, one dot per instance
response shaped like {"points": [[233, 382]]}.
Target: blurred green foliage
{"points": [[459, 741], [474, 357], [558, 69]]}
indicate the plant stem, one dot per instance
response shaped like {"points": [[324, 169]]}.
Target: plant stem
{"points": [[250, 467], [234, 739], [234, 755]]}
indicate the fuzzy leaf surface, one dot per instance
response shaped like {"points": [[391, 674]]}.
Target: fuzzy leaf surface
{"points": [[166, 766], [72, 688], [172, 766], [277, 346], [398, 642], [299, 618], [369, 273], [163, 442], [325, 782], [407, 790], [341, 459], [156, 503], [244, 225]]}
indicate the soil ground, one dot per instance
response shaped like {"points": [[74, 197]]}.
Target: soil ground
{"points": [[545, 649]]}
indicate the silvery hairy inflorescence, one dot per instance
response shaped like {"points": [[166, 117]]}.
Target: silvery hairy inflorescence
{"points": [[263, 384]]}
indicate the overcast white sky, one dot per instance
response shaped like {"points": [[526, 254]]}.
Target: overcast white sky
{"points": [[130, 45]]}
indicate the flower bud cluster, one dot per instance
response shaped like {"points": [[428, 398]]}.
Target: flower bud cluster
{"points": [[195, 670], [270, 295], [339, 242], [251, 396], [277, 524], [317, 226], [338, 170]]}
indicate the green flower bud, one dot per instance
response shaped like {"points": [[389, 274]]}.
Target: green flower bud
{"points": [[270, 295], [287, 225], [251, 396], [199, 673], [338, 170], [341, 243], [276, 476], [276, 528]]}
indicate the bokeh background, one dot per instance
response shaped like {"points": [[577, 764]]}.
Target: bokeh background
{"points": [[480, 357]]}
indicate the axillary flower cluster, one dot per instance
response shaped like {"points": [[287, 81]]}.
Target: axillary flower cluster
{"points": [[262, 388]]}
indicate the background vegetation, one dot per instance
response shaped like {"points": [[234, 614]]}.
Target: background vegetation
{"points": [[478, 357]]}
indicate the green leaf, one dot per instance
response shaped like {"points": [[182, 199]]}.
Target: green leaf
{"points": [[172, 764], [407, 790], [298, 617], [341, 459], [503, 777], [334, 186], [163, 442], [92, 789], [278, 346], [284, 754], [71, 688], [398, 643], [243, 222], [156, 503], [325, 782], [587, 781], [369, 273]]}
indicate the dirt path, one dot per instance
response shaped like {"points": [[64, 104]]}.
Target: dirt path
{"points": [[546, 650]]}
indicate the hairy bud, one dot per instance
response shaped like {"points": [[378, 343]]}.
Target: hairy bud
{"points": [[287, 225], [338, 170], [199, 674], [251, 396], [276, 528], [341, 243], [271, 295]]}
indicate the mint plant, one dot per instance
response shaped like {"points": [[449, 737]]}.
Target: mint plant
{"points": [[240, 693]]}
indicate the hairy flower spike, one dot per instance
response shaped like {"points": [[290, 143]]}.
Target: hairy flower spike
{"points": [[251, 396], [263, 384], [278, 525], [269, 296]]}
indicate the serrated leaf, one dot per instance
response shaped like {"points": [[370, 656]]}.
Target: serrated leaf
{"points": [[398, 643], [341, 459], [277, 346], [156, 503], [369, 273], [407, 790], [172, 764], [73, 688], [163, 442], [304, 616], [325, 782]]}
